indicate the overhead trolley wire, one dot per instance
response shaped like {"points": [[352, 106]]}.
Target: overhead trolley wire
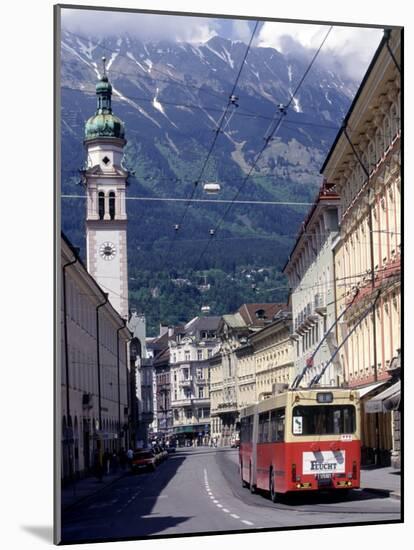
{"points": [[218, 129], [267, 139]]}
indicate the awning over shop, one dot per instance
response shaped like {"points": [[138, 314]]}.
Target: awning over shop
{"points": [[388, 400], [195, 428], [370, 388]]}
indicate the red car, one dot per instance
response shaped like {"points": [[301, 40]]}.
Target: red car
{"points": [[143, 460]]}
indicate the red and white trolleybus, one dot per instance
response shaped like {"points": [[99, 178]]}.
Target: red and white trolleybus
{"points": [[301, 440]]}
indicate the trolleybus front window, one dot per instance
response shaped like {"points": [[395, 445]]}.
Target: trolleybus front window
{"points": [[323, 420]]}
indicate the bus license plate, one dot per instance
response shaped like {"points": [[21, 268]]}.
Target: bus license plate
{"points": [[324, 479]]}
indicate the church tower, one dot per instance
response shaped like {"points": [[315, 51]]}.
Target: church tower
{"points": [[105, 180]]}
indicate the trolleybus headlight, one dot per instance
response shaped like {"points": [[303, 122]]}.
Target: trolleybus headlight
{"points": [[349, 483]]}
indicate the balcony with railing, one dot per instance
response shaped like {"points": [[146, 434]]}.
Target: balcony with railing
{"points": [[320, 303], [227, 407], [186, 382], [306, 317]]}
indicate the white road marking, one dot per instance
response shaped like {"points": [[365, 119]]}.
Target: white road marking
{"points": [[217, 503]]}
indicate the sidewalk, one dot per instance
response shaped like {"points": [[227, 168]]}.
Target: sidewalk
{"points": [[83, 488], [382, 481]]}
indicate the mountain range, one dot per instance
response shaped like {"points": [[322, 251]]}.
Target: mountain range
{"points": [[172, 96]]}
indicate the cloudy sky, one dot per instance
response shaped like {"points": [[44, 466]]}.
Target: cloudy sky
{"points": [[349, 49]]}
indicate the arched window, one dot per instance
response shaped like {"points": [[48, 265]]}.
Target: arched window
{"points": [[112, 205], [101, 204]]}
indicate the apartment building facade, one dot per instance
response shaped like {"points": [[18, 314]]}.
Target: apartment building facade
{"points": [[310, 271], [94, 377], [190, 351], [364, 165]]}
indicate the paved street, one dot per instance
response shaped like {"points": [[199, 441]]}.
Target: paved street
{"points": [[199, 491]]}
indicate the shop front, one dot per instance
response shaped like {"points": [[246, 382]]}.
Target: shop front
{"points": [[388, 403], [194, 435]]}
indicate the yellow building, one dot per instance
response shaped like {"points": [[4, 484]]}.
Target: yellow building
{"points": [[273, 356], [257, 336], [364, 166]]}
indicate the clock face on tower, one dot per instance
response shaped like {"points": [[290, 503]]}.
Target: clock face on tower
{"points": [[107, 250]]}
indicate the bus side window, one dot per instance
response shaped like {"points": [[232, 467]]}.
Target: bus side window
{"points": [[246, 429], [277, 425], [263, 428]]}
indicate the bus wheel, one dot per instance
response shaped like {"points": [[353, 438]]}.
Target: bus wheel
{"points": [[273, 494], [244, 483], [251, 486]]}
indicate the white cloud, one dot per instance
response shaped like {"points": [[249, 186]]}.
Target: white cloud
{"points": [[352, 48], [140, 25], [347, 49], [241, 30]]}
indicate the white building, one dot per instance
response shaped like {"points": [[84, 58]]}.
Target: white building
{"points": [[190, 351], [310, 271], [94, 369]]}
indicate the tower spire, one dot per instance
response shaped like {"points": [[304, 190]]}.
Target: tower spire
{"points": [[104, 93], [104, 123]]}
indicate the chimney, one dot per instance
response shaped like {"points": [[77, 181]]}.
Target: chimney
{"points": [[170, 332]]}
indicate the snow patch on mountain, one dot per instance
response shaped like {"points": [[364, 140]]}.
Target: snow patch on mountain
{"points": [[131, 56], [172, 144], [221, 56], [229, 59], [149, 63], [86, 50], [136, 106], [75, 53], [113, 57], [157, 105], [198, 53]]}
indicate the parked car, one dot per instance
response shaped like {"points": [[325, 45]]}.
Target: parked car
{"points": [[171, 448], [143, 460], [160, 453]]}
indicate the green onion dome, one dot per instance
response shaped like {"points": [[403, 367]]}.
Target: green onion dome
{"points": [[104, 123]]}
